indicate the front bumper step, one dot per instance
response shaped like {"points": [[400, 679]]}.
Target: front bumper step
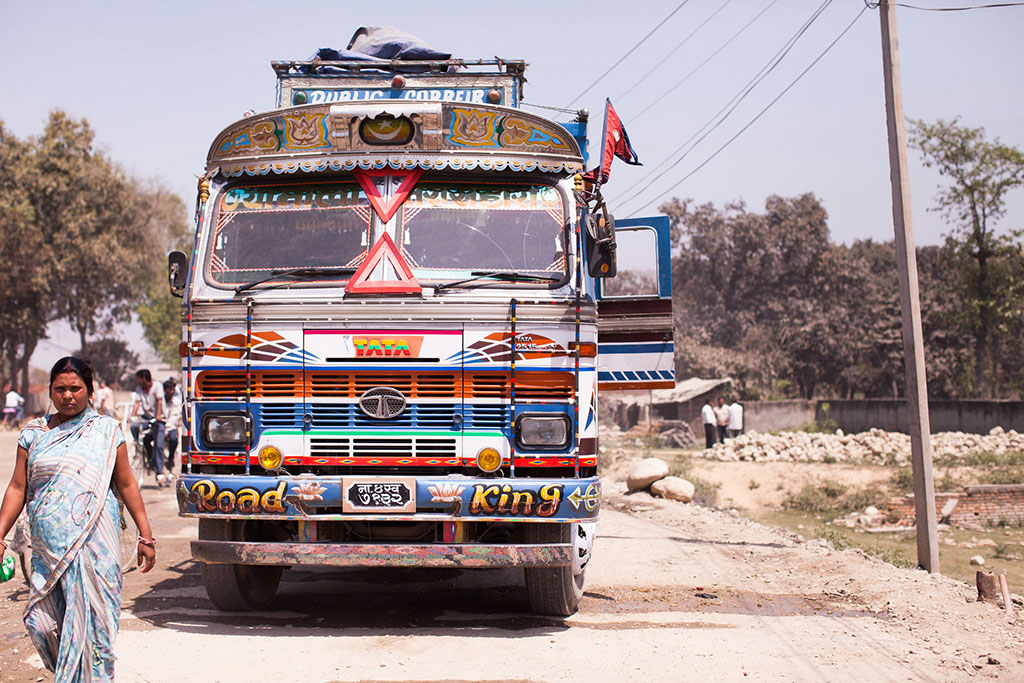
{"points": [[377, 555]]}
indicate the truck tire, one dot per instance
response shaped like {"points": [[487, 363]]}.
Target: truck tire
{"points": [[236, 587], [554, 591]]}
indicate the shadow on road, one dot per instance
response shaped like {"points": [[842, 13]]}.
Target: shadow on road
{"points": [[322, 600]]}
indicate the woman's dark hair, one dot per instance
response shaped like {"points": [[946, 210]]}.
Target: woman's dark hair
{"points": [[79, 366]]}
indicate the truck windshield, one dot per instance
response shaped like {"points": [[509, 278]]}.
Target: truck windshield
{"points": [[261, 230], [450, 230], [446, 231]]}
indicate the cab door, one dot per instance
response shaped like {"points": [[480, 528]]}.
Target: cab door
{"points": [[634, 321]]}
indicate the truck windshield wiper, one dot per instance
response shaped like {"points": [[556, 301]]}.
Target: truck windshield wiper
{"points": [[500, 275], [307, 271]]}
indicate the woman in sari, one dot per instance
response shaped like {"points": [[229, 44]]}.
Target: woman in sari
{"points": [[71, 467]]}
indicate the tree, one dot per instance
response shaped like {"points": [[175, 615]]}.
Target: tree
{"points": [[768, 287], [24, 304], [98, 229], [159, 312], [111, 360], [987, 265]]}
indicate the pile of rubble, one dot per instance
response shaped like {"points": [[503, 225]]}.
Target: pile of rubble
{"points": [[871, 447]]}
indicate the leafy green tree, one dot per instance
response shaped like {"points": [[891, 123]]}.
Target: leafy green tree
{"points": [[986, 264], [111, 359], [97, 228], [159, 311], [24, 287], [769, 288]]}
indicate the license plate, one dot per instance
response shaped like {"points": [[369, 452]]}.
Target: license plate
{"points": [[379, 495]]}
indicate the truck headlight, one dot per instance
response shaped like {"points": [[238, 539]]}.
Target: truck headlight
{"points": [[543, 431], [225, 429]]}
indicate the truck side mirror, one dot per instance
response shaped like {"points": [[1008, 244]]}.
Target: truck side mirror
{"points": [[599, 232], [177, 272]]}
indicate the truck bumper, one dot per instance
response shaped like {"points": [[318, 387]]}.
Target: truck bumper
{"points": [[464, 556], [422, 498]]}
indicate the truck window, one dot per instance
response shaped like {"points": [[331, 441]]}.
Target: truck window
{"points": [[260, 228], [449, 229]]}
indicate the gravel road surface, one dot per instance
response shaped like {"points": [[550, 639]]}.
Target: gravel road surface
{"points": [[674, 592]]}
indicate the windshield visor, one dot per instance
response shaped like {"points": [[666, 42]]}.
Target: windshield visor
{"points": [[449, 230], [268, 228]]}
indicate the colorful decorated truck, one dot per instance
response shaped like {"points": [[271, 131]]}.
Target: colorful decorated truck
{"points": [[397, 315]]}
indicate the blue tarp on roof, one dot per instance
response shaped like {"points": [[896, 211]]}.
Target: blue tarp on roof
{"points": [[381, 42]]}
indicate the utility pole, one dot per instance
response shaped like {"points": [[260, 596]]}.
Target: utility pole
{"points": [[910, 302]]}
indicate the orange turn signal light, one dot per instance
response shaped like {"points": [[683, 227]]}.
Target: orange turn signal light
{"points": [[586, 349]]}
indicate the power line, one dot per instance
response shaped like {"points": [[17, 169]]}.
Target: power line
{"points": [[631, 50], [722, 114], [762, 112], [701, 65], [675, 49], [874, 5]]}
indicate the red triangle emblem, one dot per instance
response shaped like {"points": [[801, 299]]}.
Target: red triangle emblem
{"points": [[382, 256], [386, 208]]}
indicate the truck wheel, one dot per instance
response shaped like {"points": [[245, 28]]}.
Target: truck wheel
{"points": [[236, 587], [557, 591]]}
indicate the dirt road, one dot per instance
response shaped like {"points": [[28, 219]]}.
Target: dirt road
{"points": [[674, 592]]}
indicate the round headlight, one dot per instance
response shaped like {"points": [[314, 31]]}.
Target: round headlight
{"points": [[270, 457], [488, 460]]}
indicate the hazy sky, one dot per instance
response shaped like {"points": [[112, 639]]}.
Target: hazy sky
{"points": [[158, 81]]}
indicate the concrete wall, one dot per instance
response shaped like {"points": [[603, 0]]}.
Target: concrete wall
{"points": [[973, 417], [766, 416]]}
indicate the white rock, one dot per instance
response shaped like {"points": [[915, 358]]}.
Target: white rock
{"points": [[871, 510], [674, 488], [645, 473], [978, 561]]}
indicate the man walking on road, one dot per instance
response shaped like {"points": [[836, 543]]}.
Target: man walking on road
{"points": [[707, 415]]}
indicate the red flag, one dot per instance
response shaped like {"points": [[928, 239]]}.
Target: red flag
{"points": [[614, 143]]}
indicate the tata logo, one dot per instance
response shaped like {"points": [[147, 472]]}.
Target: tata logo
{"points": [[387, 347], [382, 403]]}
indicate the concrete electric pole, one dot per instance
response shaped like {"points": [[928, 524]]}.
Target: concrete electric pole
{"points": [[910, 302]]}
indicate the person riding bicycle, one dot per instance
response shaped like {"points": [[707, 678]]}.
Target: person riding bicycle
{"points": [[148, 405], [172, 399], [14, 406]]}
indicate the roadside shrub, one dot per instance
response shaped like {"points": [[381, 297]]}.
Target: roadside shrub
{"points": [[830, 496], [1006, 474], [902, 479]]}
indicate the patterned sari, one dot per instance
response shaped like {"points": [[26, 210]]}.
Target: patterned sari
{"points": [[73, 609]]}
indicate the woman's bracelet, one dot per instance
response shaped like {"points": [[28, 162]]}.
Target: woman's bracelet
{"points": [[3, 543], [151, 542]]}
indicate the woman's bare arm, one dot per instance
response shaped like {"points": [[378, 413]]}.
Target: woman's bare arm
{"points": [[14, 497], [128, 489]]}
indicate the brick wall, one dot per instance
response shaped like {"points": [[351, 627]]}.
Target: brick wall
{"points": [[974, 505]]}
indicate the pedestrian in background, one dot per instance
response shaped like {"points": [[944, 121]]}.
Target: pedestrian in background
{"points": [[149, 407], [707, 415], [67, 469], [104, 400], [735, 419], [14, 406], [172, 399], [721, 419]]}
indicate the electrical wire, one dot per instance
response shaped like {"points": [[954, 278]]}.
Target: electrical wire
{"points": [[674, 50], [722, 114], [874, 5], [701, 65], [631, 50], [763, 111]]}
